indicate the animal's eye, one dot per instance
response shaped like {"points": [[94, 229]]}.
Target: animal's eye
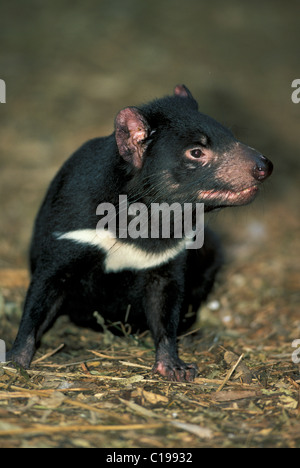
{"points": [[196, 153]]}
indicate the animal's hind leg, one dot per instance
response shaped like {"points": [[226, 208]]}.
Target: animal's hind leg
{"points": [[43, 302]]}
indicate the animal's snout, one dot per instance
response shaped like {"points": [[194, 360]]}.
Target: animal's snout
{"points": [[262, 169]]}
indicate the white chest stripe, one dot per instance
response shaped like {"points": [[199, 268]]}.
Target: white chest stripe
{"points": [[121, 256]]}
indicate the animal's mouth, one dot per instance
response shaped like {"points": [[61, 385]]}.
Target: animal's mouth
{"points": [[228, 197]]}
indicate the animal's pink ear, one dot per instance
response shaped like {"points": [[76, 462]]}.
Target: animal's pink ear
{"points": [[182, 91], [132, 129]]}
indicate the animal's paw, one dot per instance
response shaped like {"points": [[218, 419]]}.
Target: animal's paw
{"points": [[19, 359], [176, 370]]}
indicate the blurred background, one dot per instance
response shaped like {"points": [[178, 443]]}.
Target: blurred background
{"points": [[69, 66]]}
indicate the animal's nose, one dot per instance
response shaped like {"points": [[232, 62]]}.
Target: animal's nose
{"points": [[263, 168]]}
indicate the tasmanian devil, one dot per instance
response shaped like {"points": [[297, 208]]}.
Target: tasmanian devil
{"points": [[164, 152]]}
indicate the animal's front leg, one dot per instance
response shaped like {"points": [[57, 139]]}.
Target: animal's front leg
{"points": [[162, 301], [170, 365]]}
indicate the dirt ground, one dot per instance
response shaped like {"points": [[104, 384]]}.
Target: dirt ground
{"points": [[68, 69]]}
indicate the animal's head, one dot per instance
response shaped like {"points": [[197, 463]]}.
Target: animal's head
{"points": [[179, 154]]}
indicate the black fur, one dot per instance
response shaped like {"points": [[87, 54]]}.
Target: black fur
{"points": [[165, 151]]}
